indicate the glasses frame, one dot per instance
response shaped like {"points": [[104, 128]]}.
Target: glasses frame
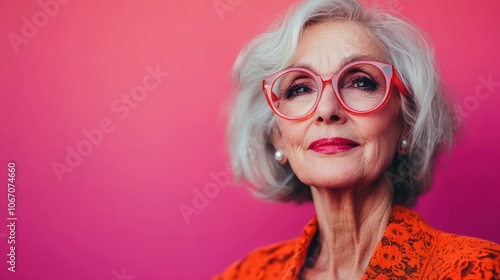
{"points": [[391, 79]]}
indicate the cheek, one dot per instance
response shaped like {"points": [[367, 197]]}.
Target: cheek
{"points": [[381, 133], [373, 131], [292, 135]]}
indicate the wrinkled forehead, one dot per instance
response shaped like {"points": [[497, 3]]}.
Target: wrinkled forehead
{"points": [[326, 47]]}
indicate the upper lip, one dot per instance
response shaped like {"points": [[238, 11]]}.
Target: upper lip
{"points": [[337, 141]]}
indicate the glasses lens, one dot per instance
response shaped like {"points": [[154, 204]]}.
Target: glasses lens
{"points": [[362, 87], [296, 93]]}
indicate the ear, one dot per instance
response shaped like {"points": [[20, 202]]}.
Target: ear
{"points": [[279, 147], [403, 145]]}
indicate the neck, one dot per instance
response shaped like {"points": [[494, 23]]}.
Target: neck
{"points": [[351, 222]]}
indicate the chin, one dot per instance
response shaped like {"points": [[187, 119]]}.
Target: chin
{"points": [[332, 182]]}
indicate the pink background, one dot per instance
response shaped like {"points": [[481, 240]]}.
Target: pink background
{"points": [[116, 214]]}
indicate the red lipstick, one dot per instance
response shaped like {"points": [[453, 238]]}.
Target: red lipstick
{"points": [[332, 145]]}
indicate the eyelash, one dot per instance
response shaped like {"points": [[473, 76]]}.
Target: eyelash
{"points": [[363, 78], [289, 91]]}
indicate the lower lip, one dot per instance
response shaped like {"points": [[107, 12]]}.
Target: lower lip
{"points": [[333, 149]]}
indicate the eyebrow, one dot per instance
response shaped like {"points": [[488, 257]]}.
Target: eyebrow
{"points": [[344, 61]]}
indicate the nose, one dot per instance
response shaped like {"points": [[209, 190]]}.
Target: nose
{"points": [[329, 109]]}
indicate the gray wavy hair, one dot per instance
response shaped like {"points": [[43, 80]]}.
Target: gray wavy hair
{"points": [[428, 117]]}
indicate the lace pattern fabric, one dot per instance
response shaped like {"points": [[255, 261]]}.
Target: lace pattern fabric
{"points": [[409, 249]]}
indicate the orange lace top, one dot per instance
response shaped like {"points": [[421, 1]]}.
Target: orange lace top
{"points": [[409, 249]]}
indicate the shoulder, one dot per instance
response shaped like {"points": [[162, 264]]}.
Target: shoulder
{"points": [[463, 257], [442, 255], [268, 261], [274, 261]]}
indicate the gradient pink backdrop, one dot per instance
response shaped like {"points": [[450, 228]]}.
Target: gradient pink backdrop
{"points": [[116, 215]]}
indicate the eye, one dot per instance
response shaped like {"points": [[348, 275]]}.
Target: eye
{"points": [[297, 89], [361, 82], [364, 83]]}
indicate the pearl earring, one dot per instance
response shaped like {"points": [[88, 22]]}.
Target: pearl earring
{"points": [[404, 144], [280, 157]]}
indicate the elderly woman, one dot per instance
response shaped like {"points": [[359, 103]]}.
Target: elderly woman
{"points": [[343, 106]]}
